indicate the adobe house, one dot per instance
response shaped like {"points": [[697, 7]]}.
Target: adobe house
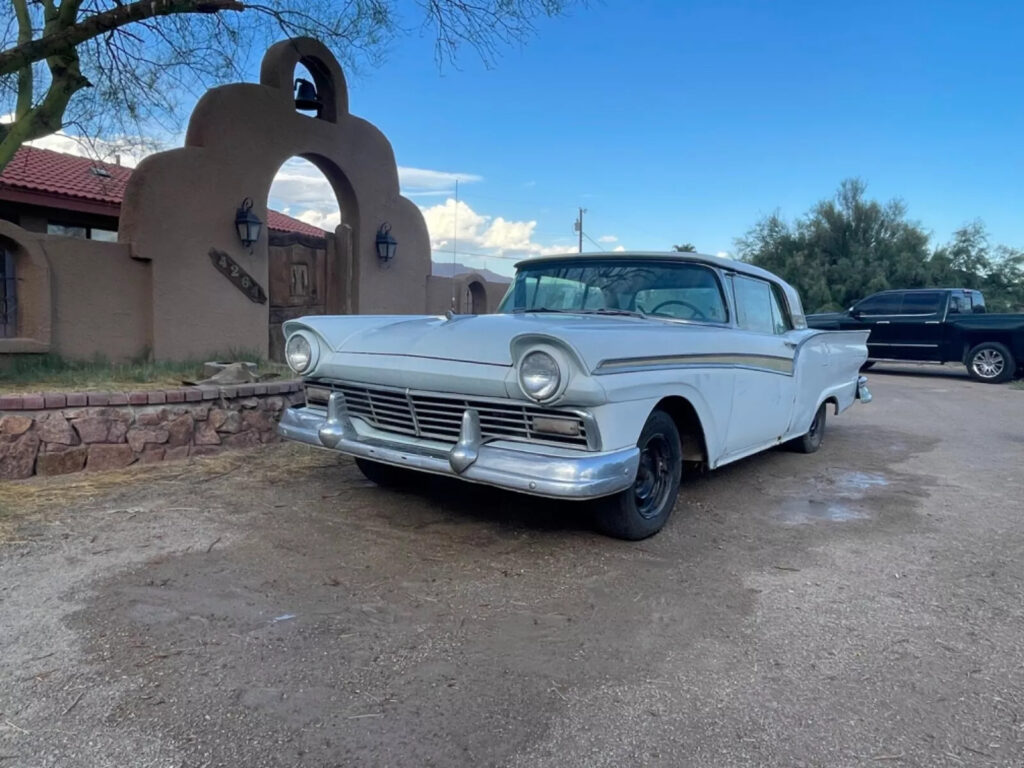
{"points": [[97, 259]]}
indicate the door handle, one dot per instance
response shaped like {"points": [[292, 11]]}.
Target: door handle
{"points": [[791, 344], [882, 322], [932, 322]]}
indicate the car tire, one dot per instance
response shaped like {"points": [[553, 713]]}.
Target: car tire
{"points": [[385, 475], [991, 362], [644, 508], [812, 440]]}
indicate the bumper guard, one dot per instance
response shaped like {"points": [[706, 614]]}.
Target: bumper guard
{"points": [[588, 476]]}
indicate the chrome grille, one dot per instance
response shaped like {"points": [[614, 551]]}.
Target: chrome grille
{"points": [[439, 416]]}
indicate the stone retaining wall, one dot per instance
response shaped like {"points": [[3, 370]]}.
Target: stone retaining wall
{"points": [[57, 433]]}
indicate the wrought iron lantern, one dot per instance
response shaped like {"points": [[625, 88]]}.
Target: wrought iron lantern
{"points": [[306, 97], [247, 223], [386, 243]]}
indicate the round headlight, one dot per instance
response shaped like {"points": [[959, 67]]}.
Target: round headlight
{"points": [[539, 375], [299, 353]]}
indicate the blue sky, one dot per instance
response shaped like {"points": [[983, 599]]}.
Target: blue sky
{"points": [[688, 120]]}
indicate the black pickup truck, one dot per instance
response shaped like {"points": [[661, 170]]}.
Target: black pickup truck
{"points": [[948, 325]]}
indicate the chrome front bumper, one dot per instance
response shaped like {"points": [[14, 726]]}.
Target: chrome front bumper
{"points": [[588, 476]]}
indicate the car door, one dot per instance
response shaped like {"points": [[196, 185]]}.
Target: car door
{"points": [[916, 332], [764, 388], [876, 314]]}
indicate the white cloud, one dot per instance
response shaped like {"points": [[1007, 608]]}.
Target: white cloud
{"points": [[419, 181], [126, 152], [490, 236], [619, 248], [607, 239]]}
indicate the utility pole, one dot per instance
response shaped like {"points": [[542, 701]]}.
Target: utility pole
{"points": [[578, 226]]}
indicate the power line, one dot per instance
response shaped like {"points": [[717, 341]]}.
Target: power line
{"points": [[593, 241]]}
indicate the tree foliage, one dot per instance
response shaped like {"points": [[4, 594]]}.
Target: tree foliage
{"points": [[108, 67], [849, 247], [685, 248]]}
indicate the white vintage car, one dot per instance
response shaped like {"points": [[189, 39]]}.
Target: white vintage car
{"points": [[601, 377]]}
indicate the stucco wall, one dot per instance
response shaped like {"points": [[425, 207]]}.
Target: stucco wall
{"points": [[180, 204], [440, 290], [101, 299]]}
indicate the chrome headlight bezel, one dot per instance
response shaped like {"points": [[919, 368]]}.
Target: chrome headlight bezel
{"points": [[532, 368], [313, 356]]}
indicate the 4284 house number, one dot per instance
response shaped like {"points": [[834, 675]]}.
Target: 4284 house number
{"points": [[241, 279]]}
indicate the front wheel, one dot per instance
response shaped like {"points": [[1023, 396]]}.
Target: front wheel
{"points": [[643, 510], [991, 362], [385, 475]]}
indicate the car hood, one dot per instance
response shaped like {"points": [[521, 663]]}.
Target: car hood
{"points": [[488, 339]]}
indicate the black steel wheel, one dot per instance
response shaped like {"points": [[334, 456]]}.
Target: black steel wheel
{"points": [[991, 362], [386, 475], [811, 441], [643, 509]]}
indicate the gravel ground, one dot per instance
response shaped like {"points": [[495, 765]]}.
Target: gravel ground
{"points": [[863, 606]]}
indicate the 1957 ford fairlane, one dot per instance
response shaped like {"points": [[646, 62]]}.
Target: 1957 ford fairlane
{"points": [[601, 377]]}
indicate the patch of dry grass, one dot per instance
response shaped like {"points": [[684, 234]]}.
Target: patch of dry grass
{"points": [[42, 496], [41, 373]]}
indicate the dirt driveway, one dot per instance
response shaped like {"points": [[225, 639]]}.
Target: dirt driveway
{"points": [[862, 606]]}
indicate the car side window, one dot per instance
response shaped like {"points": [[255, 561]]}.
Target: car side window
{"points": [[780, 311], [756, 307], [923, 303], [880, 304]]}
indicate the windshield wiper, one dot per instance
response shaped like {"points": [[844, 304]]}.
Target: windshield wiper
{"points": [[522, 310], [605, 311]]}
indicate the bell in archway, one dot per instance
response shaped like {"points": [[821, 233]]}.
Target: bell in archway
{"points": [[306, 97]]}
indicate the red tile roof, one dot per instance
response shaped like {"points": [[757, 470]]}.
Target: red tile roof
{"points": [[65, 176], [60, 180], [282, 222]]}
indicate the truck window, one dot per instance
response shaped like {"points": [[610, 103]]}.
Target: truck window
{"points": [[880, 304], [959, 305], [922, 303]]}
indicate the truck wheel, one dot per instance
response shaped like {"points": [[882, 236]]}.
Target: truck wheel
{"points": [[811, 442], [991, 362], [385, 475], [643, 509]]}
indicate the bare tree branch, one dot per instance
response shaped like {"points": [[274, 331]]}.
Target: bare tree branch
{"points": [[71, 36]]}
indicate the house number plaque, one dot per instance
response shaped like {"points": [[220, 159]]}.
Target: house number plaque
{"points": [[241, 279]]}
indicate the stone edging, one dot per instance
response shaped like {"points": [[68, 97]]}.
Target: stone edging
{"points": [[39, 401], [115, 430]]}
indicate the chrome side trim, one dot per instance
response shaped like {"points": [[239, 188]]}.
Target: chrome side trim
{"points": [[768, 363], [586, 476], [894, 344]]}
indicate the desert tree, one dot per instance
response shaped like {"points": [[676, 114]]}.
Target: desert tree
{"points": [[112, 68]]}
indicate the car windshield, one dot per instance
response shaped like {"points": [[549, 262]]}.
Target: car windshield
{"points": [[678, 290]]}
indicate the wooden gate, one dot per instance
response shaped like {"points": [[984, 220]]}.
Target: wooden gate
{"points": [[297, 285]]}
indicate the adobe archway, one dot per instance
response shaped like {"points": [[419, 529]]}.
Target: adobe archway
{"points": [[180, 205]]}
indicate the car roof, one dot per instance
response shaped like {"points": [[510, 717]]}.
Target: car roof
{"points": [[720, 262]]}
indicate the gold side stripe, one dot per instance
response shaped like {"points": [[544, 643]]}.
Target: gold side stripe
{"points": [[764, 362]]}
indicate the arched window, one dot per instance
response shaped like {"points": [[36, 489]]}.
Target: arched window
{"points": [[8, 295]]}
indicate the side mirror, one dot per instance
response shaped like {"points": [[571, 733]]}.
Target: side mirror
{"points": [[853, 312]]}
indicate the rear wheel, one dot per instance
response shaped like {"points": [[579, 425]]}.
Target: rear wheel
{"points": [[385, 475], [643, 509], [811, 441], [991, 362]]}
